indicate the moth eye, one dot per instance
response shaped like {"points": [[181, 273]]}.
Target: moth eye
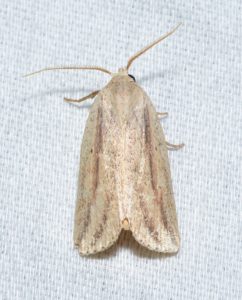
{"points": [[132, 77]]}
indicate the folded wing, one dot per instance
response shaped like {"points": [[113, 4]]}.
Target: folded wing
{"points": [[153, 213], [97, 224]]}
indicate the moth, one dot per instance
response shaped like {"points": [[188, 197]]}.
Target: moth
{"points": [[124, 180]]}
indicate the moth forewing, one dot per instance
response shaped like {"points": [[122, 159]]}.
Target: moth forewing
{"points": [[97, 223], [154, 217]]}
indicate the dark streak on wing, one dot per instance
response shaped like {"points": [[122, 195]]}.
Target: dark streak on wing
{"points": [[95, 170], [149, 222], [150, 147], [99, 231], [97, 150], [163, 213]]}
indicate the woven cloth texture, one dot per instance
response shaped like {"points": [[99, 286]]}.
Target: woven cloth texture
{"points": [[195, 75]]}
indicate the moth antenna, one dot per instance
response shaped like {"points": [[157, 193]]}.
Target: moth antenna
{"points": [[136, 55], [70, 68]]}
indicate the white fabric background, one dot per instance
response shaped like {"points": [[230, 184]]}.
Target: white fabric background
{"points": [[194, 75]]}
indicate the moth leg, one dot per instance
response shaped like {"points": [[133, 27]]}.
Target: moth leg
{"points": [[162, 114], [174, 147], [89, 96]]}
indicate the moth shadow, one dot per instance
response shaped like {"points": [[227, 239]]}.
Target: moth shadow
{"points": [[152, 75], [126, 240]]}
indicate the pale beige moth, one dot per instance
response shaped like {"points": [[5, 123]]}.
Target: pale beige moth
{"points": [[124, 178]]}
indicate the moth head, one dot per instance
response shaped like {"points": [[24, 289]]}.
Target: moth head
{"points": [[123, 72]]}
